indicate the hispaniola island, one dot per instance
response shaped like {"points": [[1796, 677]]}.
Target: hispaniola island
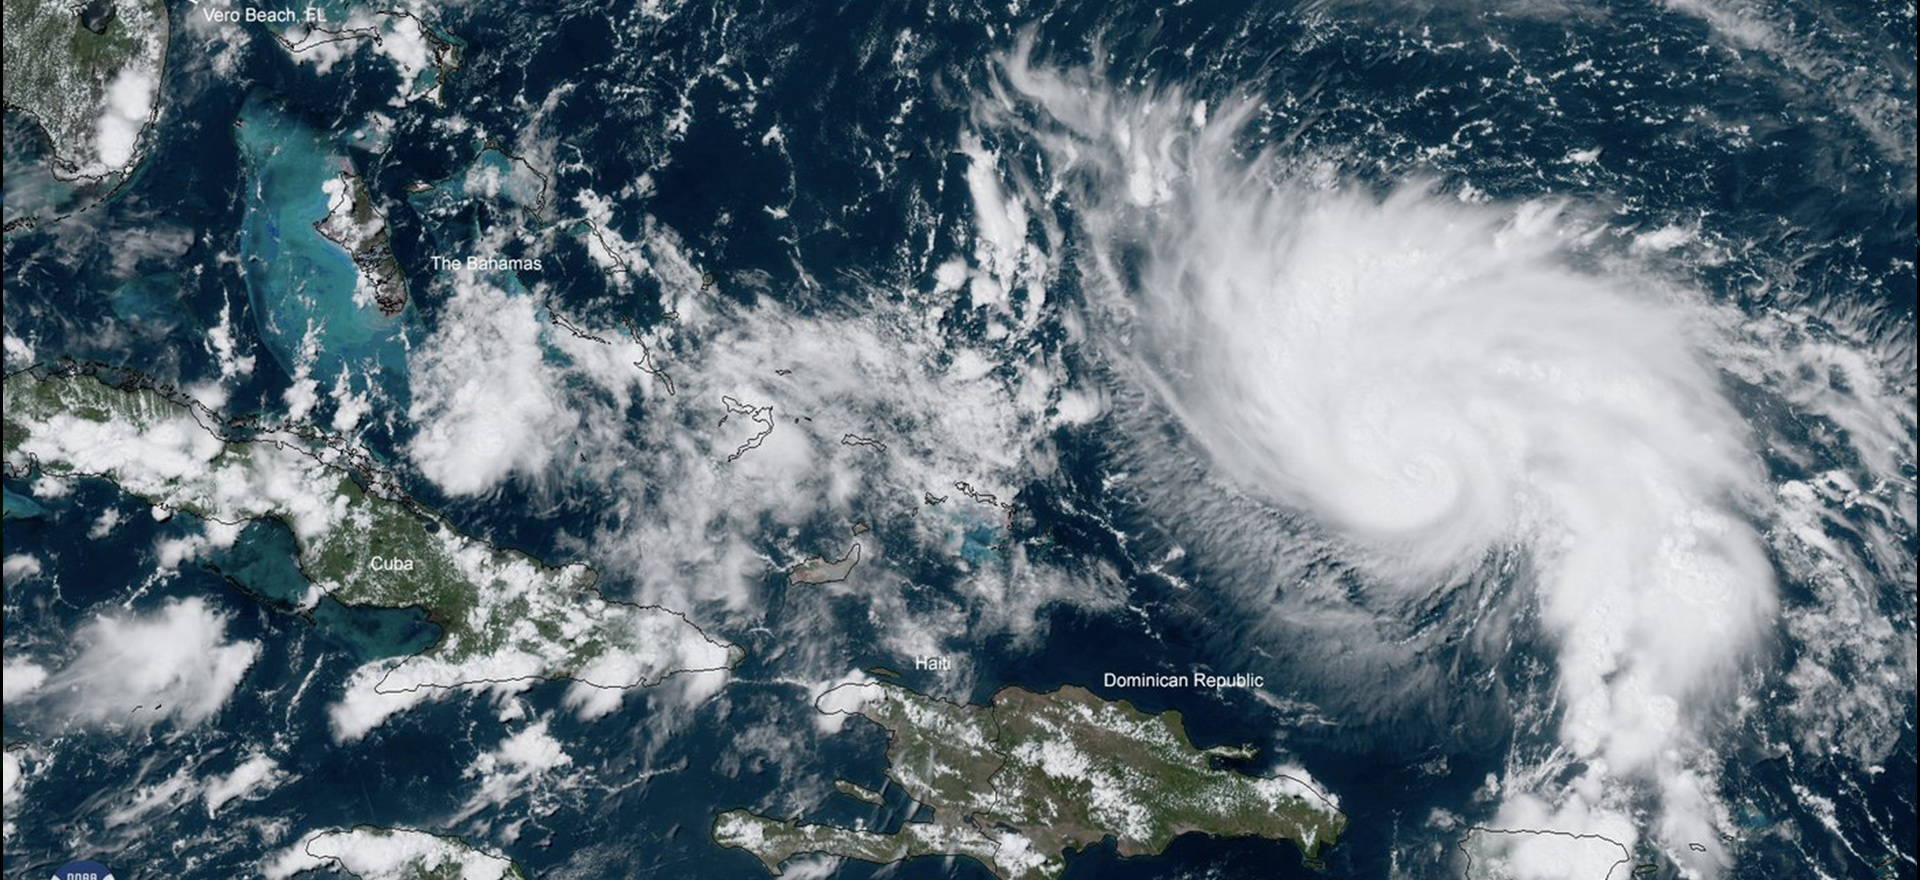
{"points": [[959, 440]]}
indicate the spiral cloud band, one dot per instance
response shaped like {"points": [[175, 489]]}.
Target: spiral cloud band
{"points": [[1436, 380]]}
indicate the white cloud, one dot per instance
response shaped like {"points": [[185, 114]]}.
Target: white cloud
{"points": [[395, 34], [145, 800], [348, 408], [256, 775], [811, 867], [1813, 62], [169, 553], [104, 524], [1435, 382], [128, 105], [21, 678], [1001, 245], [944, 411], [837, 700], [221, 342], [301, 396], [520, 766], [363, 707], [175, 662], [388, 854], [405, 43], [501, 392], [644, 648], [166, 455], [19, 567], [484, 400], [610, 250], [13, 783], [1531, 839], [18, 352]]}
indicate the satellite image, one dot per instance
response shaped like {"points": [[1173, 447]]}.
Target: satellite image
{"points": [[1176, 440]]}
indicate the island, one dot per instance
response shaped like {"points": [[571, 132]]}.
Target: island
{"points": [[504, 616], [370, 852], [816, 570], [1017, 783], [423, 56], [88, 74], [1586, 855], [858, 792], [353, 223]]}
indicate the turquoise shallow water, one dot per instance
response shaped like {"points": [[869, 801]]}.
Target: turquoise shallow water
{"points": [[296, 279], [263, 563], [671, 113], [492, 176], [31, 189], [21, 506]]}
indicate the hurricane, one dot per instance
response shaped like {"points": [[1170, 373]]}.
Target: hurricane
{"points": [[950, 440], [1445, 383]]}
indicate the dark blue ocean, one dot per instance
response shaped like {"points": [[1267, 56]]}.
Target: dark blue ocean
{"points": [[214, 229]]}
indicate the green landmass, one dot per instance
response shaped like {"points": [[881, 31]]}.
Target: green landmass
{"points": [[857, 791], [504, 615], [62, 58], [353, 223], [1019, 782]]}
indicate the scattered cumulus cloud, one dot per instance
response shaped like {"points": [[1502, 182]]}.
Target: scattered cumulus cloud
{"points": [[176, 662]]}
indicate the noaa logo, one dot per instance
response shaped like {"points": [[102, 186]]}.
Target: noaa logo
{"points": [[84, 869]]}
